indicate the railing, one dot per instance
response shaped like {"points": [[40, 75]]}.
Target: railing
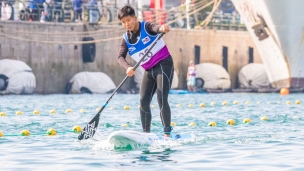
{"points": [[96, 12]]}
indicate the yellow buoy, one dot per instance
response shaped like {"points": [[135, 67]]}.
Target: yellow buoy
{"points": [[230, 122], [68, 111], [212, 123], [192, 124], [178, 105], [112, 108], [172, 124], [127, 108], [124, 125], [52, 111], [25, 133], [51, 132], [225, 103], [298, 102], [18, 113], [77, 129], [264, 118], [258, 102], [153, 106], [288, 102], [138, 106], [247, 102], [190, 105], [1, 134], [35, 112], [235, 102], [284, 91], [202, 105], [2, 114], [98, 109], [212, 103], [246, 120], [295, 117], [82, 110]]}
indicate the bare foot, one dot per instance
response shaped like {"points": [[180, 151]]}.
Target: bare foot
{"points": [[167, 135]]}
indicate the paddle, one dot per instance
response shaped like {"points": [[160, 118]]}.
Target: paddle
{"points": [[90, 129]]}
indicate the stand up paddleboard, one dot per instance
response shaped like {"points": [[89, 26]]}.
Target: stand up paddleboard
{"points": [[125, 137]]}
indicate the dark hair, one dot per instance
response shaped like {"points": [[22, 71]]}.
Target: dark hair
{"points": [[126, 11]]}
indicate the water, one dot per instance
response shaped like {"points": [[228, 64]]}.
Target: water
{"points": [[276, 144]]}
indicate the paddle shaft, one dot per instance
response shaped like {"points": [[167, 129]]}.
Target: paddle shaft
{"points": [[90, 129]]}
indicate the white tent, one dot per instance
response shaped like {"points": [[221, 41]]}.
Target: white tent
{"points": [[253, 76], [16, 77], [139, 75], [94, 82], [214, 76]]}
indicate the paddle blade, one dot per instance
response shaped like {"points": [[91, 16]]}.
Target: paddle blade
{"points": [[90, 129]]}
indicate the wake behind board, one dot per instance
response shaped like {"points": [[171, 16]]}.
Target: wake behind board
{"points": [[121, 138]]}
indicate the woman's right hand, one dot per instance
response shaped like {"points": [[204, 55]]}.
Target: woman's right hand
{"points": [[130, 71]]}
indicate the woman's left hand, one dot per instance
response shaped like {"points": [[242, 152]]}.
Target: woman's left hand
{"points": [[164, 28]]}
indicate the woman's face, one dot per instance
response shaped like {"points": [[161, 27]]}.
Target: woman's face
{"points": [[129, 22]]}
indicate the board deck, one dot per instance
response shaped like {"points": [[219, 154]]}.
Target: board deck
{"points": [[145, 138]]}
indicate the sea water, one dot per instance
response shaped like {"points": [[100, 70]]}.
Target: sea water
{"points": [[273, 144]]}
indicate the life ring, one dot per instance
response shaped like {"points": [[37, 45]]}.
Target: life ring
{"points": [[88, 50]]}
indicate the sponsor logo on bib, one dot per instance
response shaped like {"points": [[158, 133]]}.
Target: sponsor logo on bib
{"points": [[132, 49], [145, 40]]}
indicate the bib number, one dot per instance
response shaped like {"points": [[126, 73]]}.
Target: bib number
{"points": [[149, 55]]}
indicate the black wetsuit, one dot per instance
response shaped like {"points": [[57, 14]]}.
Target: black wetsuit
{"points": [[157, 79]]}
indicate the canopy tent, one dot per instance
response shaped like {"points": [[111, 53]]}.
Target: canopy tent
{"points": [[253, 76], [214, 76], [16, 77], [90, 82]]}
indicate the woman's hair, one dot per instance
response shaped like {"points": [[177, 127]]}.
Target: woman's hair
{"points": [[126, 11]]}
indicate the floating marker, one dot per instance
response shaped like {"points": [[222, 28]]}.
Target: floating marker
{"points": [[124, 125], [178, 105], [247, 102], [190, 105], [246, 120], [225, 103], [51, 132], [212, 103], [212, 123], [202, 105], [288, 102], [192, 124], [68, 111], [112, 108], [153, 106], [98, 109], [230, 122], [82, 110], [1, 134], [35, 112], [284, 91], [2, 114], [264, 118], [298, 102], [18, 113], [77, 129], [127, 108], [138, 106], [25, 133], [172, 124], [52, 111], [235, 102], [258, 102]]}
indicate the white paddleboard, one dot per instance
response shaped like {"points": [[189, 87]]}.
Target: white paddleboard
{"points": [[144, 138]]}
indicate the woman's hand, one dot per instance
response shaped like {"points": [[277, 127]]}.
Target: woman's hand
{"points": [[164, 28], [130, 71]]}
